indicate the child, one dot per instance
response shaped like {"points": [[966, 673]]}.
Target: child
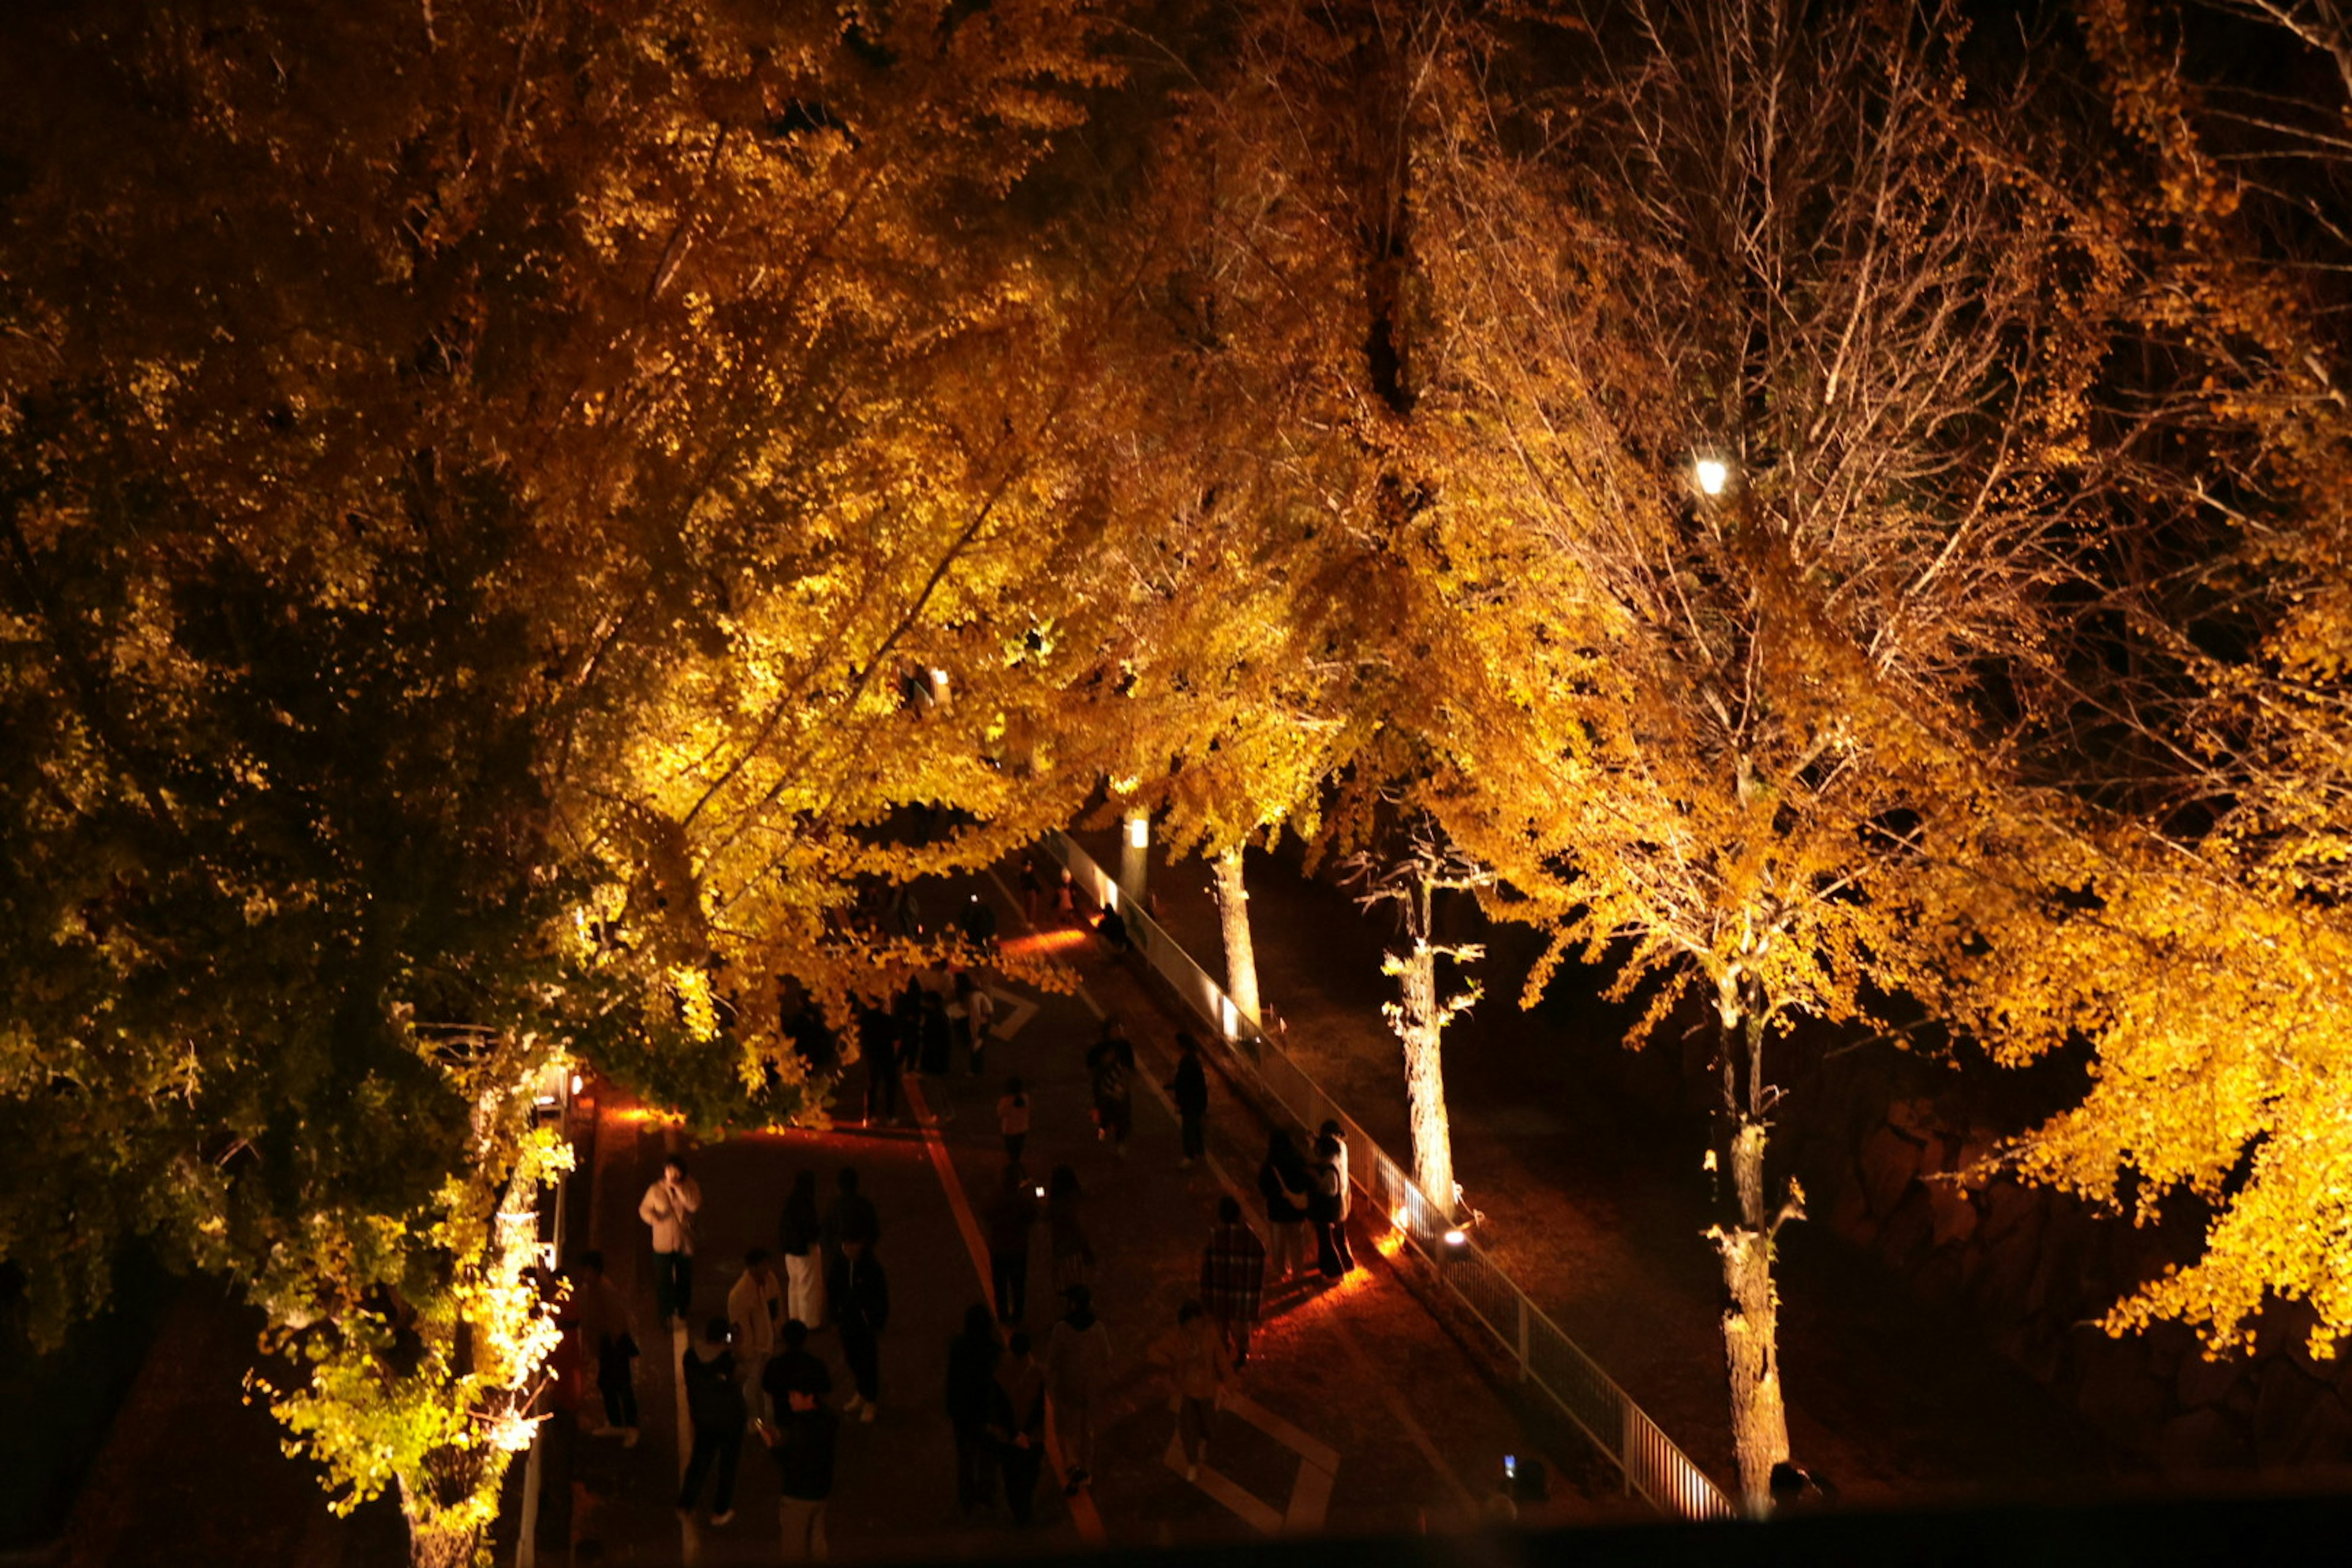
{"points": [[1013, 1119]]}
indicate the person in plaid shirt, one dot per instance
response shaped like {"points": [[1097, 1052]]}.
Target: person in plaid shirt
{"points": [[1232, 1275]]}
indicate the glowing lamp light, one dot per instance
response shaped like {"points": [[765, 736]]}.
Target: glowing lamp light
{"points": [[1402, 1220], [1456, 1238], [1110, 895], [1713, 474], [1138, 831], [940, 679], [575, 1084], [1232, 1017]]}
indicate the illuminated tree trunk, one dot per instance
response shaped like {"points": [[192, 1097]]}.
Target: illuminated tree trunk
{"points": [[1232, 919], [1751, 1319], [432, 1542], [1421, 1027]]}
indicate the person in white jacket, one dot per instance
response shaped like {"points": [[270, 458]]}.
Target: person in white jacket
{"points": [[669, 1207], [756, 1307]]}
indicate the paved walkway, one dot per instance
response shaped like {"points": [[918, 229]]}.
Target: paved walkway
{"points": [[1596, 1204], [1360, 1412]]}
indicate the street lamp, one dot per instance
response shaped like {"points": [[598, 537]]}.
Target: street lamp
{"points": [[1713, 475]]}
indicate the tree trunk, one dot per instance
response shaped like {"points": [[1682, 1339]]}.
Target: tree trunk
{"points": [[433, 1547], [1424, 1078], [1751, 1330], [432, 1542], [1233, 918]]}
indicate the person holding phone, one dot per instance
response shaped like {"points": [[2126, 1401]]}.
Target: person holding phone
{"points": [[669, 1207]]}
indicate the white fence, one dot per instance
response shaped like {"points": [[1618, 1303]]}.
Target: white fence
{"points": [[1651, 1465]]}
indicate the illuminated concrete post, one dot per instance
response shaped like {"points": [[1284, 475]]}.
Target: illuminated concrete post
{"points": [[1134, 853]]}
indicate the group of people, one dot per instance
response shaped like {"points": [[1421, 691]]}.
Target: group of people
{"points": [[1300, 1193], [919, 1033], [749, 1372]]}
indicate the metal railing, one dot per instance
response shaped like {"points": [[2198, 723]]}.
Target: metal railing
{"points": [[1651, 1465]]}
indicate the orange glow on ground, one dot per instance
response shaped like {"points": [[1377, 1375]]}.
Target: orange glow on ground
{"points": [[1047, 941]]}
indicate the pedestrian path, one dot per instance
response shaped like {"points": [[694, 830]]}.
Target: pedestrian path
{"points": [[1594, 1202], [1357, 1411]]}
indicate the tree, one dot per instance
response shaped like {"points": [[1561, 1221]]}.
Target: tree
{"points": [[1726, 719], [1411, 881], [475, 477], [2183, 917]]}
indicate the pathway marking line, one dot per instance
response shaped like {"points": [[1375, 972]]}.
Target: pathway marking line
{"points": [[1321, 1456], [1224, 1490], [1083, 1512], [1311, 1499]]}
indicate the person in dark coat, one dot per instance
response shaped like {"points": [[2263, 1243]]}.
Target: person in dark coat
{"points": [[1016, 1424], [1190, 1088], [1283, 1182], [977, 920], [802, 1443], [878, 1047], [907, 1013], [1111, 1066], [972, 1372], [853, 1214], [861, 1306], [937, 1036], [1011, 1219], [793, 1367], [714, 1404]]}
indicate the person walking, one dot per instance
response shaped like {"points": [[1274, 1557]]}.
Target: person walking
{"points": [[1066, 899], [1233, 1277], [937, 1039], [801, 1443], [1013, 1118], [793, 1366], [1011, 1219], [669, 1207], [1193, 1356], [861, 1306], [1016, 1424], [1283, 1182], [800, 1235], [878, 1047], [977, 920], [1033, 889], [1189, 1090], [755, 1307], [853, 1217], [1327, 1208], [1111, 1065], [1331, 1130], [607, 1334], [1073, 1256], [714, 1404], [1077, 1375], [979, 1019], [972, 1372]]}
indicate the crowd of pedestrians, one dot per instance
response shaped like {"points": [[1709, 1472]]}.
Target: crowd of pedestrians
{"points": [[749, 1373]]}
